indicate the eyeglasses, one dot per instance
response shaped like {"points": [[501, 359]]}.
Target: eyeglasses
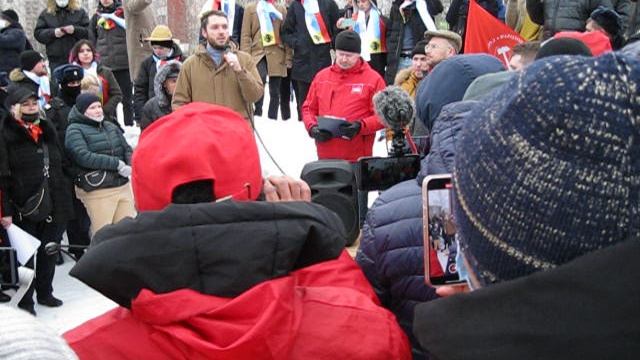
{"points": [[431, 46]]}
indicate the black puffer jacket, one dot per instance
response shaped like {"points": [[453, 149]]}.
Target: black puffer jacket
{"points": [[12, 42], [96, 145], [21, 164], [159, 105], [195, 246], [53, 17], [558, 15], [397, 27], [111, 44], [308, 58], [391, 252], [143, 87]]}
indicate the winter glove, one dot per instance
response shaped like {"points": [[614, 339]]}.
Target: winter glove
{"points": [[319, 134], [123, 169], [349, 131]]}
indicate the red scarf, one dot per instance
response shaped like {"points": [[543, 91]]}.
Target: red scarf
{"points": [[33, 129]]}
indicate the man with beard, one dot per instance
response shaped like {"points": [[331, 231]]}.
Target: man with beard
{"points": [[68, 78], [218, 73]]}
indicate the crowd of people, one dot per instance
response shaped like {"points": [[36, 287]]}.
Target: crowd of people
{"points": [[207, 258]]}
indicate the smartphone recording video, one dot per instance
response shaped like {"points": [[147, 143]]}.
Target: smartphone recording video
{"points": [[439, 231]]}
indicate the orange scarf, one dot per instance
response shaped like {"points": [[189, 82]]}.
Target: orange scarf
{"points": [[33, 128]]}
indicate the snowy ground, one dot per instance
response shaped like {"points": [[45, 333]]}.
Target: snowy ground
{"points": [[290, 146]]}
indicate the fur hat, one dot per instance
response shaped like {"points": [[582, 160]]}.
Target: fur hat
{"points": [[67, 73], [607, 19], [207, 142], [540, 178]]}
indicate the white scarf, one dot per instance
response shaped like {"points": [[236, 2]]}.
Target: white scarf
{"points": [[421, 6], [367, 30], [44, 88], [266, 12], [226, 6]]}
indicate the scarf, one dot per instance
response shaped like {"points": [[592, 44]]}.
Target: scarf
{"points": [[372, 33], [421, 6], [109, 20], [44, 87], [93, 70], [227, 6], [162, 62], [33, 128], [267, 13], [315, 23], [216, 54]]}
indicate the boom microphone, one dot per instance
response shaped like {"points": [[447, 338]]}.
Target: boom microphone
{"points": [[394, 107]]}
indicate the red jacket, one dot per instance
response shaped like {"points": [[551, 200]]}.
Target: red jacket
{"points": [[347, 94], [318, 312]]}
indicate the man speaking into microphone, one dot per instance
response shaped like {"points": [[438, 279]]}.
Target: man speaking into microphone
{"points": [[344, 91], [218, 73]]}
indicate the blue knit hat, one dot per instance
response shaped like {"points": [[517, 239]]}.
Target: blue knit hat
{"points": [[548, 169]]}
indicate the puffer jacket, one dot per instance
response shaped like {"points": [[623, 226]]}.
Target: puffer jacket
{"points": [[53, 17], [397, 27], [159, 105], [345, 94], [96, 145], [143, 87], [558, 15], [111, 44], [12, 42], [299, 294], [308, 58], [456, 73], [21, 164], [391, 252]]}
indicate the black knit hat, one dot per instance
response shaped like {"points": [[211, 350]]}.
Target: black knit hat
{"points": [[419, 48], [83, 101], [540, 177], [563, 46], [17, 94], [4, 79], [608, 19], [348, 41], [11, 15], [29, 59], [67, 73]]}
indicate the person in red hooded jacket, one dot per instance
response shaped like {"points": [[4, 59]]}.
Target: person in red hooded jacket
{"points": [[344, 90], [207, 272]]}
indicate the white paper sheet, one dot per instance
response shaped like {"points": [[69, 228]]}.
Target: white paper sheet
{"points": [[25, 244]]}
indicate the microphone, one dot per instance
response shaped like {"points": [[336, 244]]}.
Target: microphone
{"points": [[394, 107]]}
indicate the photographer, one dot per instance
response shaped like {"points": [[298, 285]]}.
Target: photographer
{"points": [[546, 204], [391, 251], [35, 192]]}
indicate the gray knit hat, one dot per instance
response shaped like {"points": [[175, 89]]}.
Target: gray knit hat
{"points": [[548, 169], [24, 338]]}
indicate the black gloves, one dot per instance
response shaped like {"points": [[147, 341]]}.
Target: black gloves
{"points": [[319, 134], [349, 131]]}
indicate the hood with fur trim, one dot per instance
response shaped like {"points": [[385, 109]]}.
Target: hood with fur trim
{"points": [[52, 8], [158, 83]]}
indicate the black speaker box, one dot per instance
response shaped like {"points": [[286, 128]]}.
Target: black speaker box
{"points": [[333, 185]]}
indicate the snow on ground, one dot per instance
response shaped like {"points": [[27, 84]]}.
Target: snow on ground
{"points": [[290, 146]]}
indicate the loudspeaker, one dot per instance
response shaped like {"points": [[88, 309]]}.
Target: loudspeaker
{"points": [[333, 185]]}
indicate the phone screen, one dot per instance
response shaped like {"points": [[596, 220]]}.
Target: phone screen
{"points": [[439, 231], [381, 173]]}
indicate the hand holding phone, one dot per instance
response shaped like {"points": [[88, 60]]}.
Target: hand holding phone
{"points": [[439, 232]]}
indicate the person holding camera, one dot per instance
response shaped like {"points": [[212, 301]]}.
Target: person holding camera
{"points": [[35, 191], [101, 152]]}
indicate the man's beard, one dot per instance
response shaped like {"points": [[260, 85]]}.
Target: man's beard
{"points": [[214, 45]]}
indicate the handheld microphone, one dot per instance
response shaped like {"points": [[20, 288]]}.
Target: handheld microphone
{"points": [[394, 107]]}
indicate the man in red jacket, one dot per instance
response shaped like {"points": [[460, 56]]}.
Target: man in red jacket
{"points": [[205, 271], [344, 90]]}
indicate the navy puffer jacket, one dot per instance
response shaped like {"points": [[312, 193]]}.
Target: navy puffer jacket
{"points": [[391, 251]]}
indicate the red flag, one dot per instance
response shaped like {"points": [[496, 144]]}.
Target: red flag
{"points": [[486, 34]]}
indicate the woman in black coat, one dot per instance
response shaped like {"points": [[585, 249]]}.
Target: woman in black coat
{"points": [[25, 140]]}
